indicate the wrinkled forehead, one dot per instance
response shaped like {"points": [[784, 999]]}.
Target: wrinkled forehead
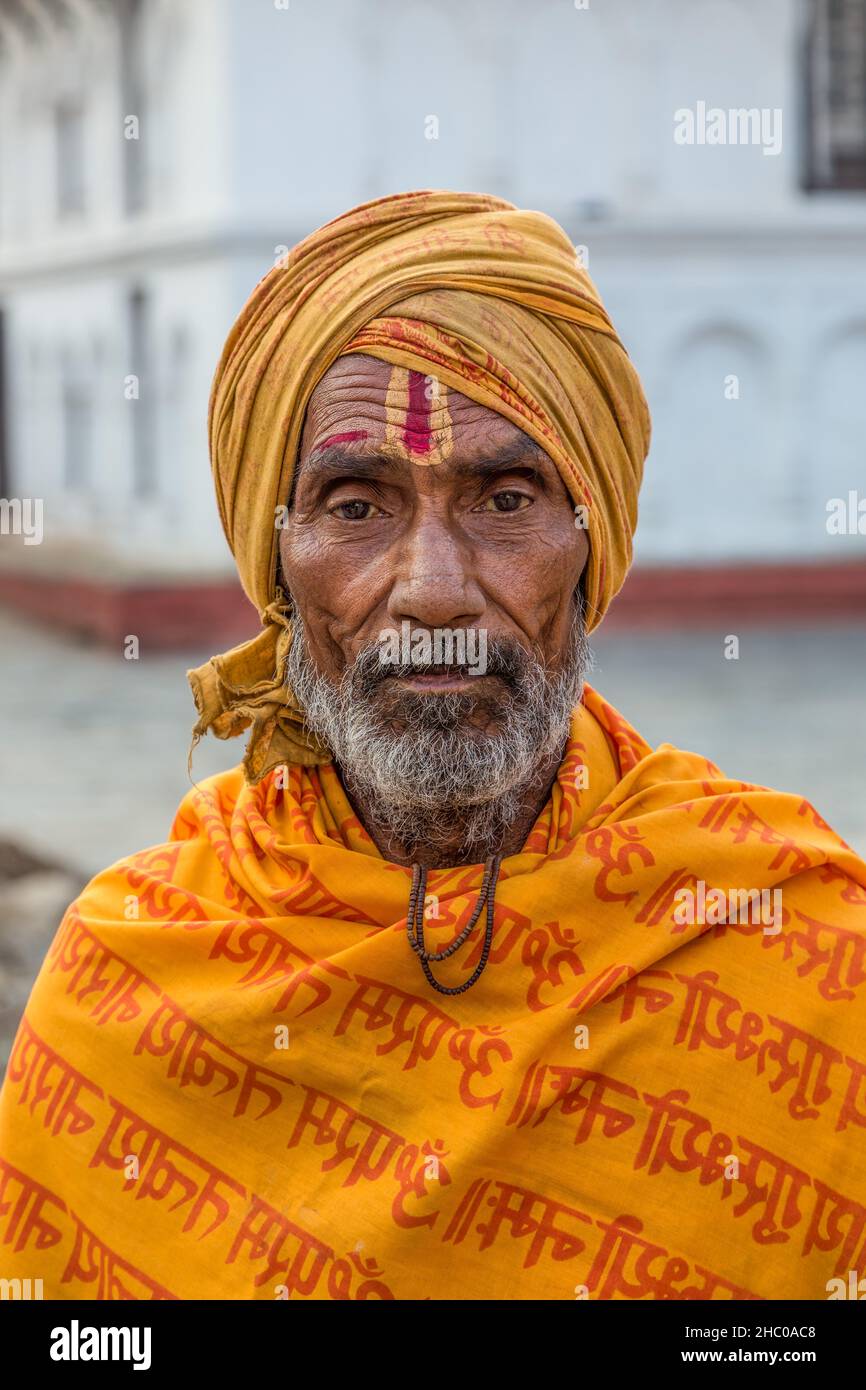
{"points": [[413, 413]]}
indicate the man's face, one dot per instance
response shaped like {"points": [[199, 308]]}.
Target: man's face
{"points": [[417, 511], [416, 504]]}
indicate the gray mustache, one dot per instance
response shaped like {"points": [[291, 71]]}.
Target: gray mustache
{"points": [[506, 659]]}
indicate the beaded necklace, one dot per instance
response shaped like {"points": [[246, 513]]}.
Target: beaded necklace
{"points": [[415, 925]]}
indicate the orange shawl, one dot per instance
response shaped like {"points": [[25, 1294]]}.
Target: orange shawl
{"points": [[232, 1082]]}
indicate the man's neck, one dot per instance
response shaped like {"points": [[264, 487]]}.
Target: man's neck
{"points": [[450, 849]]}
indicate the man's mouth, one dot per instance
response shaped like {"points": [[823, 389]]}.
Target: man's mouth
{"points": [[437, 679], [441, 677]]}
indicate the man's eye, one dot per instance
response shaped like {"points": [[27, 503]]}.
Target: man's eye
{"points": [[507, 502], [355, 510]]}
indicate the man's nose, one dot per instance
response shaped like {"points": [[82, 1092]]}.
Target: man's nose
{"points": [[434, 578]]}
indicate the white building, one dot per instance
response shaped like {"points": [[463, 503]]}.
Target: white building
{"points": [[156, 155]]}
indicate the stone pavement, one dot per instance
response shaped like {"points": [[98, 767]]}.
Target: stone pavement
{"points": [[93, 760]]}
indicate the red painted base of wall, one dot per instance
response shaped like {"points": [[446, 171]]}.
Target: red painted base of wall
{"points": [[216, 615], [183, 615], [740, 595]]}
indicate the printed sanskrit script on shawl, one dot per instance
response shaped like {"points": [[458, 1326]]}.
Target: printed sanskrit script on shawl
{"points": [[159, 1142]]}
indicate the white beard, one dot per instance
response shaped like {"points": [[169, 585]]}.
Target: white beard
{"points": [[421, 766]]}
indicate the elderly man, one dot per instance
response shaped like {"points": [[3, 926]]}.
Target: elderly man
{"points": [[455, 988]]}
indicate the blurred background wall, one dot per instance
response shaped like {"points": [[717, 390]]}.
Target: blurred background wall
{"points": [[157, 157]]}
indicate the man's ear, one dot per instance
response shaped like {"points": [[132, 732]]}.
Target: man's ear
{"points": [[289, 601], [293, 488], [281, 581], [580, 591]]}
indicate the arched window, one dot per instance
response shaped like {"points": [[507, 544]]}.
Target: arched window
{"points": [[133, 97], [77, 434], [143, 403], [5, 483], [69, 153]]}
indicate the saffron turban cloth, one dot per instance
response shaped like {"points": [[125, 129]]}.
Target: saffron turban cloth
{"points": [[232, 1080], [490, 300]]}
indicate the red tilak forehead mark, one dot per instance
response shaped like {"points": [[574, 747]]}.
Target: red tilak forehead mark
{"points": [[348, 437], [416, 428], [417, 416]]}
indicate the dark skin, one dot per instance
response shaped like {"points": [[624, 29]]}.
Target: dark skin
{"points": [[484, 537]]}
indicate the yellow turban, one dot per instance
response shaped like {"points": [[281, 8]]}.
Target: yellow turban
{"points": [[489, 299]]}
